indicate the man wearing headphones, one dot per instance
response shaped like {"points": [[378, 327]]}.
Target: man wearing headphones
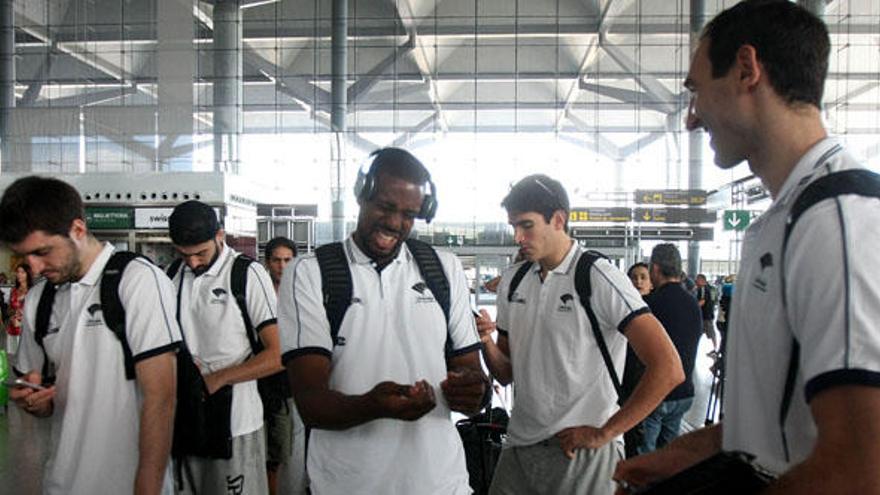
{"points": [[376, 380]]}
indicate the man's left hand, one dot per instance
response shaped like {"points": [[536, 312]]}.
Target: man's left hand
{"points": [[582, 437], [464, 390]]}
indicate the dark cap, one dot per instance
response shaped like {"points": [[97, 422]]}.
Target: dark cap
{"points": [[192, 222]]}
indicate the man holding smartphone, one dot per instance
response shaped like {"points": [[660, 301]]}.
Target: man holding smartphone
{"points": [[111, 433]]}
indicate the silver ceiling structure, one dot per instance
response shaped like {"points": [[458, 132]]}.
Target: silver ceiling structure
{"points": [[143, 85]]}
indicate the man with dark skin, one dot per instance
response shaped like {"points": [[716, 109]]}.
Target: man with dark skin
{"points": [[388, 360]]}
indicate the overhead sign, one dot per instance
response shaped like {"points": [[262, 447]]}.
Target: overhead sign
{"points": [[155, 218], [671, 197], [644, 233], [737, 219], [610, 214], [674, 215], [109, 218]]}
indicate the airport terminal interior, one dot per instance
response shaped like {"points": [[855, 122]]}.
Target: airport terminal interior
{"points": [[268, 109]]}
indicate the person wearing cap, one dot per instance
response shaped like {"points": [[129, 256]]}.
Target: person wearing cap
{"points": [[378, 398], [215, 332], [565, 432]]}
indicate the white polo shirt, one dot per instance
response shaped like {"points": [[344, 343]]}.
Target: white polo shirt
{"points": [[393, 330], [833, 304], [96, 418], [558, 371], [214, 329]]}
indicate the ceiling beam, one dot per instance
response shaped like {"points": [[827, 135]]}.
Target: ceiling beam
{"points": [[366, 82]]}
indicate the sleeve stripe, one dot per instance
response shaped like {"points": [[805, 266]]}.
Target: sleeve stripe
{"points": [[613, 286], [831, 379], [296, 264], [270, 321], [465, 350], [166, 317], [173, 347], [846, 286], [252, 269], [304, 351], [626, 321]]}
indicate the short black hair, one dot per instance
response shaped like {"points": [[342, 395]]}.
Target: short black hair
{"points": [[668, 259], [36, 203], [538, 193], [399, 163], [192, 222], [278, 242], [640, 264], [791, 43]]}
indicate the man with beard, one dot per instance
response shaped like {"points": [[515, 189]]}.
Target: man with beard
{"points": [[378, 394], [214, 329], [803, 361], [111, 431]]}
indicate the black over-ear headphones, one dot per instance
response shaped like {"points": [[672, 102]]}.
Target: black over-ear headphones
{"points": [[365, 186]]}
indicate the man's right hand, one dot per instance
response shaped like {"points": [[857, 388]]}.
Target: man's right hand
{"points": [[406, 402], [485, 326], [36, 402]]}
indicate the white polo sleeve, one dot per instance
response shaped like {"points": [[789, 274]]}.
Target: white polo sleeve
{"points": [[461, 325], [614, 299], [502, 318], [301, 317], [150, 306], [260, 297], [832, 294], [29, 356]]}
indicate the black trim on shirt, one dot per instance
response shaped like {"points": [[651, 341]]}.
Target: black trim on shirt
{"points": [[464, 350], [502, 332], [831, 379], [270, 321], [304, 351], [631, 317], [174, 346]]}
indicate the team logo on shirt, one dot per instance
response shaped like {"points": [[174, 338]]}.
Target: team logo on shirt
{"points": [[94, 321], [565, 306], [235, 484], [516, 298], [219, 296], [422, 298], [760, 282]]}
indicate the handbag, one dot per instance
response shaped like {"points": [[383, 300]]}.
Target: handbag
{"points": [[725, 473]]}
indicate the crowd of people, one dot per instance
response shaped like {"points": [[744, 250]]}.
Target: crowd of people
{"points": [[376, 343]]}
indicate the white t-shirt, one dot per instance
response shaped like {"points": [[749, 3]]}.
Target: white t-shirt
{"points": [[558, 372], [393, 330], [214, 329], [832, 304], [96, 418]]}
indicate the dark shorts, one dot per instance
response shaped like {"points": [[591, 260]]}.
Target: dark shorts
{"points": [[279, 433]]}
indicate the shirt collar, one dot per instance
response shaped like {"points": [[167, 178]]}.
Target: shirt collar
{"points": [[358, 257], [565, 266], [225, 252], [805, 168], [94, 273]]}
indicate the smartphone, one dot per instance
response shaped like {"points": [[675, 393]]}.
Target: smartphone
{"points": [[20, 382]]}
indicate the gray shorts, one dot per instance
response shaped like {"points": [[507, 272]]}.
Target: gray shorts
{"points": [[244, 473], [542, 468], [279, 433]]}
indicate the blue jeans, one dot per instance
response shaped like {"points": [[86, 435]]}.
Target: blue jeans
{"points": [[662, 425]]}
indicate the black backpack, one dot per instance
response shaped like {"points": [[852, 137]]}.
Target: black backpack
{"points": [[584, 289], [858, 182], [274, 389], [110, 307], [336, 284]]}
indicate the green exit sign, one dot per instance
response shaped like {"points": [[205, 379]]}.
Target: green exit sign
{"points": [[737, 219]]}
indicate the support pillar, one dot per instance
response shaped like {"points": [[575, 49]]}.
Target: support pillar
{"points": [[7, 82], [228, 93], [338, 109], [695, 138]]}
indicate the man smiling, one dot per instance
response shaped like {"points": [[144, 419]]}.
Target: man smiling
{"points": [[376, 370]]}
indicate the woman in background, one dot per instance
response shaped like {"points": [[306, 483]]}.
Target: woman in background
{"points": [[23, 282]]}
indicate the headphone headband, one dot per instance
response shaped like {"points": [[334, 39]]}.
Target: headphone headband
{"points": [[365, 186]]}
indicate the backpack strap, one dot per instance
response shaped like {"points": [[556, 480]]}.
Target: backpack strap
{"points": [[111, 305], [44, 312], [584, 289], [238, 284], [435, 278], [173, 268], [336, 284], [858, 182], [517, 278]]}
